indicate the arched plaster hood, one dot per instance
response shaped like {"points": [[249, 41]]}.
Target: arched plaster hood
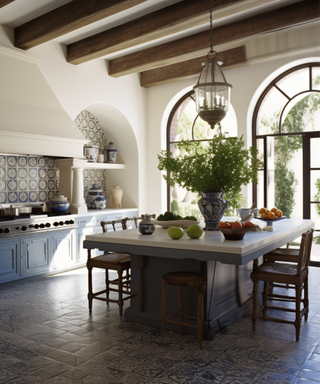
{"points": [[32, 120]]}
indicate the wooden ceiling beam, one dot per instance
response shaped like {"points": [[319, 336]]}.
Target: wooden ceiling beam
{"points": [[67, 18], [198, 45], [164, 22], [179, 71], [5, 2]]}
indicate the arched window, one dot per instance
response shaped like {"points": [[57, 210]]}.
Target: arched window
{"points": [[185, 124], [286, 130]]}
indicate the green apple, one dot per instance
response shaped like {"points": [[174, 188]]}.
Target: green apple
{"points": [[195, 231], [175, 232]]}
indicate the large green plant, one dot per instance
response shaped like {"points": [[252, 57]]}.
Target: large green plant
{"points": [[221, 166]]}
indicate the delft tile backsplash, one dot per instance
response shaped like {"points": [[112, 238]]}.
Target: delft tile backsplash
{"points": [[92, 130], [27, 179], [35, 179]]}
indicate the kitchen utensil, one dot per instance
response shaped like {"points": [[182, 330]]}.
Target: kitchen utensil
{"points": [[247, 218], [10, 211]]}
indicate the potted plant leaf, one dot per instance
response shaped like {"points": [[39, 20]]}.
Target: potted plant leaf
{"points": [[221, 167]]}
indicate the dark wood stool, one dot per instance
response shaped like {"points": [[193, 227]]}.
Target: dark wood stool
{"points": [[183, 279]]}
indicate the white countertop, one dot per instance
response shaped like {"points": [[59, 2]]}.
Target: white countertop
{"points": [[211, 246]]}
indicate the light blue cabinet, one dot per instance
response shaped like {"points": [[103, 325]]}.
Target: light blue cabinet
{"points": [[9, 260], [35, 256]]}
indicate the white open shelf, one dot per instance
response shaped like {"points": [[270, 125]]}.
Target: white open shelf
{"points": [[103, 166]]}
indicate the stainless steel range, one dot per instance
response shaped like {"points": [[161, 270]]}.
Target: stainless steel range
{"points": [[33, 223]]}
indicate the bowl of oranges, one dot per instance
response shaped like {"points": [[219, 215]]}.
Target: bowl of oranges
{"points": [[235, 230], [271, 215]]}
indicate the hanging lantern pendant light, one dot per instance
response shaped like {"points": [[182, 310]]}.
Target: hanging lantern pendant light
{"points": [[212, 92]]}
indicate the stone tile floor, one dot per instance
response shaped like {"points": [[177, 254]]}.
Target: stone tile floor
{"points": [[47, 336]]}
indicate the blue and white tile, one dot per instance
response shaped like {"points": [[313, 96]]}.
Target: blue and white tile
{"points": [[22, 185], [42, 173], [22, 173], [3, 185], [12, 161], [51, 173], [3, 161], [51, 163], [2, 173], [12, 173], [3, 197], [23, 197], [33, 196], [85, 173], [22, 161], [42, 185], [33, 174], [32, 161], [33, 185], [43, 196], [42, 162], [12, 185], [51, 194], [51, 185], [12, 197]]}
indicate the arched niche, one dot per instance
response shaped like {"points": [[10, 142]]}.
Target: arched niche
{"points": [[117, 129]]}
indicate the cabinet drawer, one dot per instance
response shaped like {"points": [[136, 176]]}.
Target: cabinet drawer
{"points": [[84, 221]]}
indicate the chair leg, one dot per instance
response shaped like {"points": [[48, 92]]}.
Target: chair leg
{"points": [[200, 318], [90, 289], [297, 322], [265, 299], [306, 298], [254, 304], [180, 299], [163, 307], [107, 286], [120, 292]]}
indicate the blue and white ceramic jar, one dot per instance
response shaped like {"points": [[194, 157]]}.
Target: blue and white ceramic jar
{"points": [[95, 198], [212, 207], [146, 226], [112, 152], [59, 204]]}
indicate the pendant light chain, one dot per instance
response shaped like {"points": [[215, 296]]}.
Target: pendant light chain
{"points": [[211, 29]]}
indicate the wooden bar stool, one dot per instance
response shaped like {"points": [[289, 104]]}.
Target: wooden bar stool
{"points": [[183, 279]]}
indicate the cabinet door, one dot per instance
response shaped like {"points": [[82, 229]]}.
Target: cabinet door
{"points": [[35, 255], [62, 256], [9, 266], [81, 236]]}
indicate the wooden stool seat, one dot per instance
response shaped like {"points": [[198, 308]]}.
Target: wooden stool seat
{"points": [[183, 279]]}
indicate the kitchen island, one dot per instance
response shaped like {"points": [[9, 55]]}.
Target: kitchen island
{"points": [[223, 262]]}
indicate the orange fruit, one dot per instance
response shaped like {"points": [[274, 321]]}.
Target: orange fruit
{"points": [[274, 210], [279, 213], [223, 224], [248, 224], [263, 215], [236, 225], [271, 215], [263, 210]]}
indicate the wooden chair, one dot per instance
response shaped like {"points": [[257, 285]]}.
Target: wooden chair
{"points": [[120, 262], [183, 279], [295, 274]]}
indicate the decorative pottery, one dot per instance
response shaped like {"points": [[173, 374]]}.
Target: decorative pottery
{"points": [[101, 158], [243, 212], [146, 226], [112, 152], [59, 204], [91, 153], [95, 199], [116, 194], [212, 207]]}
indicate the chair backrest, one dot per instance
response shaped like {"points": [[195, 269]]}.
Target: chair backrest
{"points": [[305, 251], [113, 223]]}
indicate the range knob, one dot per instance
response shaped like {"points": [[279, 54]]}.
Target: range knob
{"points": [[71, 222], [1, 230], [48, 225], [61, 223], [67, 222], [22, 228], [36, 226], [41, 225], [55, 223], [6, 230]]}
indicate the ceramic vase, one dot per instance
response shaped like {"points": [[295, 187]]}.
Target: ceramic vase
{"points": [[95, 199], [112, 152], [116, 194], [59, 204], [212, 207], [146, 226], [91, 153]]}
